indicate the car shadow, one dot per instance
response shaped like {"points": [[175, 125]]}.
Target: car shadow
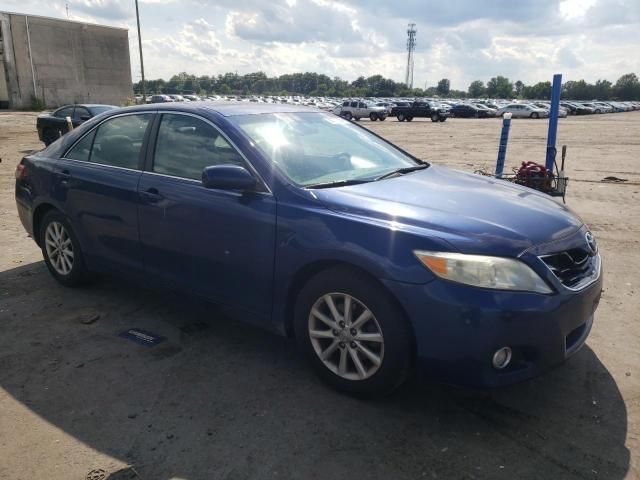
{"points": [[220, 399]]}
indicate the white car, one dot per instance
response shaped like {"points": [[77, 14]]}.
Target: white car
{"points": [[562, 112], [523, 110]]}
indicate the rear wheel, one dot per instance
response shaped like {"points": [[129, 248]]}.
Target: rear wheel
{"points": [[348, 116], [535, 115], [49, 136], [373, 117], [443, 119], [382, 119], [353, 333], [61, 250], [401, 117], [435, 117], [409, 119]]}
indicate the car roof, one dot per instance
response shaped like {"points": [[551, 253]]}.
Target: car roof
{"points": [[227, 109], [86, 105]]}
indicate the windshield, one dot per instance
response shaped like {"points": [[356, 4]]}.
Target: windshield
{"points": [[318, 148]]}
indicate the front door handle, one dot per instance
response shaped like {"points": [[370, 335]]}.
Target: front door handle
{"points": [[151, 195], [65, 176]]}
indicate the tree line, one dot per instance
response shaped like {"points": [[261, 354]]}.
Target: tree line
{"points": [[627, 87]]}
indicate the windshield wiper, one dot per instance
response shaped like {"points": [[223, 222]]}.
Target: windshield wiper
{"points": [[339, 183], [402, 171]]}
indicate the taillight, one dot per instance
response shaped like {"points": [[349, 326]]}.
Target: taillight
{"points": [[21, 172]]}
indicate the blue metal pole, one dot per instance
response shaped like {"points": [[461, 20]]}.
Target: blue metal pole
{"points": [[553, 121], [502, 149]]}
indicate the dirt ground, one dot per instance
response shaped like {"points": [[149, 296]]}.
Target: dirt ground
{"points": [[220, 400]]}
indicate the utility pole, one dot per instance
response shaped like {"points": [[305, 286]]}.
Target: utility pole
{"points": [[411, 46], [144, 94]]}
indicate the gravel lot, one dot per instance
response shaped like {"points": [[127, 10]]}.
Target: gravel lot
{"points": [[220, 400]]}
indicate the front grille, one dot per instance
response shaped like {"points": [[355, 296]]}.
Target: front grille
{"points": [[575, 268]]}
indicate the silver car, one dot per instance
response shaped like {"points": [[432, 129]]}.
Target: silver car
{"points": [[523, 110], [357, 109]]}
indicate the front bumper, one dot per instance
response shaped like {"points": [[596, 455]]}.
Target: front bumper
{"points": [[458, 328]]}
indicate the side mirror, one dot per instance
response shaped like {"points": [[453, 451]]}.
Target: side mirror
{"points": [[228, 177]]}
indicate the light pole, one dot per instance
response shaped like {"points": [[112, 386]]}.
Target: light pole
{"points": [[142, 89]]}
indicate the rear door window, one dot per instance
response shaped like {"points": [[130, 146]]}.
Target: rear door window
{"points": [[118, 141], [81, 113], [186, 145], [64, 112], [82, 149]]}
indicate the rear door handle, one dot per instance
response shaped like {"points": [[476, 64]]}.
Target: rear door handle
{"points": [[151, 195]]}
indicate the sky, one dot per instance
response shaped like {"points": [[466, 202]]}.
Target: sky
{"points": [[462, 40]]}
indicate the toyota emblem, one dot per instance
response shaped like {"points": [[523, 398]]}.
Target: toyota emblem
{"points": [[591, 243]]}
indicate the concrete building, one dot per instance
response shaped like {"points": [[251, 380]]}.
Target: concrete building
{"points": [[58, 62]]}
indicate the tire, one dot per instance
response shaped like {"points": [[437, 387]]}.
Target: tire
{"points": [[434, 117], [382, 119], [401, 117], [387, 323], [535, 115], [409, 119], [442, 119], [49, 136], [373, 117], [348, 116], [477, 115], [69, 267]]}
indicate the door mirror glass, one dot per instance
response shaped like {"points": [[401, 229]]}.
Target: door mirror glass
{"points": [[228, 177]]}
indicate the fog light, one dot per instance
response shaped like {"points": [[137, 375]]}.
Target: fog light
{"points": [[502, 358]]}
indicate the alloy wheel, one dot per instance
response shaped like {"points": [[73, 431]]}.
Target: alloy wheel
{"points": [[59, 248], [346, 336]]}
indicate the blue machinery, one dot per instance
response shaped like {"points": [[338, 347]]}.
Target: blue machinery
{"points": [[531, 174]]}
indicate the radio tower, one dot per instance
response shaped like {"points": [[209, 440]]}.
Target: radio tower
{"points": [[411, 46]]}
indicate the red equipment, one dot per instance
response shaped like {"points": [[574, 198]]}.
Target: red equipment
{"points": [[535, 175]]}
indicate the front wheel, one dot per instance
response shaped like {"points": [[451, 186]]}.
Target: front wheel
{"points": [[535, 115], [409, 119], [434, 117], [382, 119], [353, 332], [348, 116], [61, 250], [373, 117], [401, 117], [443, 119]]}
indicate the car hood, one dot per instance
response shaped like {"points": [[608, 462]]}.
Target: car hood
{"points": [[473, 213]]}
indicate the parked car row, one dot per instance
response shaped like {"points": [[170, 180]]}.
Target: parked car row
{"points": [[52, 126]]}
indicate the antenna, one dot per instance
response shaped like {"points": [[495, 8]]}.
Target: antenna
{"points": [[411, 46], [67, 7]]}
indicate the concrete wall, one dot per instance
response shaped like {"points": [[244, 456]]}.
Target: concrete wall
{"points": [[72, 62]]}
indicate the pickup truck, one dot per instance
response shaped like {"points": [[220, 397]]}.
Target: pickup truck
{"points": [[52, 126], [416, 109]]}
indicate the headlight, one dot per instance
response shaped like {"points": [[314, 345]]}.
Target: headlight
{"points": [[481, 271]]}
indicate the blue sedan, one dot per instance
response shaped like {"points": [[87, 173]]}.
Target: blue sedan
{"points": [[313, 227]]}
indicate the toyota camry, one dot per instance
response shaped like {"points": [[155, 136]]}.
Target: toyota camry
{"points": [[311, 226]]}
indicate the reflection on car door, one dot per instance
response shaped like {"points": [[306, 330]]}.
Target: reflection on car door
{"points": [[97, 180], [216, 243]]}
